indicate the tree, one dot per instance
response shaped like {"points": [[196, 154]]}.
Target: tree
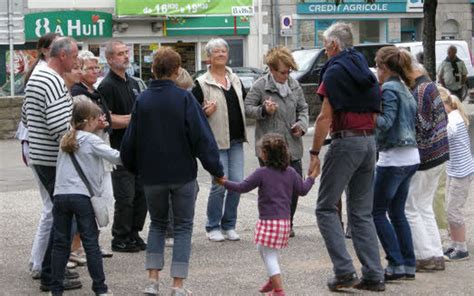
{"points": [[429, 34]]}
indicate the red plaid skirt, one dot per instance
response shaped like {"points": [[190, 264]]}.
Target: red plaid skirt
{"points": [[273, 233]]}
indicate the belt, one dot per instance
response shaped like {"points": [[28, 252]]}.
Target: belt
{"points": [[352, 133]]}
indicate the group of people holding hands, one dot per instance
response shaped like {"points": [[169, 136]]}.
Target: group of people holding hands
{"points": [[390, 137]]}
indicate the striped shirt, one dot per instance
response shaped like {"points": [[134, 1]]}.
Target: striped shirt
{"points": [[460, 163], [46, 112]]}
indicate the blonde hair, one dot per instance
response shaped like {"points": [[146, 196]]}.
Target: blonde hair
{"points": [[184, 80], [83, 110], [398, 61], [282, 54], [453, 102]]}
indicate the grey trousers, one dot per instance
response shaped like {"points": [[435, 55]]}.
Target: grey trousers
{"points": [[350, 162]]}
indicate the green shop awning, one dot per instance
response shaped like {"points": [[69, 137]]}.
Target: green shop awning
{"points": [[230, 25]]}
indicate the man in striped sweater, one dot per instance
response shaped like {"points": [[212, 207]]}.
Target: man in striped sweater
{"points": [[47, 112]]}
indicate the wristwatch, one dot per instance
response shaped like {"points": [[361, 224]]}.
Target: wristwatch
{"points": [[314, 152]]}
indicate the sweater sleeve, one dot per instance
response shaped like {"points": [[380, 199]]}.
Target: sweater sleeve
{"points": [[301, 187], [254, 101], [201, 138], [101, 149], [248, 184], [389, 110]]}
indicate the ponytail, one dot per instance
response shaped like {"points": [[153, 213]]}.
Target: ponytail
{"points": [[69, 141], [398, 61]]}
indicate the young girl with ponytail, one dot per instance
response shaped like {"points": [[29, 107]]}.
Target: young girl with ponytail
{"points": [[72, 198], [459, 170]]}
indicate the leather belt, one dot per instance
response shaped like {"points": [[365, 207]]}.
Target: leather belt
{"points": [[352, 133]]}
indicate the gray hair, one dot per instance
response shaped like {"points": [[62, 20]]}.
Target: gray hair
{"points": [[85, 55], [341, 33], [214, 43], [60, 44], [109, 47]]}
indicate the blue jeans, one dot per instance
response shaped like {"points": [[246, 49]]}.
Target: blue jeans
{"points": [[233, 161], [390, 194], [350, 163], [65, 207], [183, 200]]}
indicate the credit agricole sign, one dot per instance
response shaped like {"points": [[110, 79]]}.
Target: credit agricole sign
{"points": [[75, 23]]}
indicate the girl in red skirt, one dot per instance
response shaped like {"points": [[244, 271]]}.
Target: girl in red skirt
{"points": [[276, 182]]}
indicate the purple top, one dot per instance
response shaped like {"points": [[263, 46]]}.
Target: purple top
{"points": [[275, 189]]}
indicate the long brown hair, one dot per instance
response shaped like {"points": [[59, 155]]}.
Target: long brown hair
{"points": [[275, 149], [396, 60], [83, 110], [43, 43]]}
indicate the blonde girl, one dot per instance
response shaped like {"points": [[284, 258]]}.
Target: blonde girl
{"points": [[459, 170], [72, 198]]}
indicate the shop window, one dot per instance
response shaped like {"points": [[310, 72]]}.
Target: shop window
{"points": [[369, 31]]}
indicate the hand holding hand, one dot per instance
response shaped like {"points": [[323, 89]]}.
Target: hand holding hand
{"points": [[270, 106], [210, 107], [220, 180], [103, 123], [314, 166]]}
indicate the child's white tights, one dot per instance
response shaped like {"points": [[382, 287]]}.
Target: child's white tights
{"points": [[270, 258]]}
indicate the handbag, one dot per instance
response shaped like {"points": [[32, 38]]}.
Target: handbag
{"points": [[99, 204]]}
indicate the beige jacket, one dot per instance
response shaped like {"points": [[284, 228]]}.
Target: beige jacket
{"points": [[219, 120]]}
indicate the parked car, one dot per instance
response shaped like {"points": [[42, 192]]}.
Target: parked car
{"points": [[248, 75], [463, 53]]}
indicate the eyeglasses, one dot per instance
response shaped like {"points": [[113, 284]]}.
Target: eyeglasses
{"points": [[95, 68], [287, 72]]}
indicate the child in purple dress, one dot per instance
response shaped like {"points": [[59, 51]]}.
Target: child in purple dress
{"points": [[276, 183]]}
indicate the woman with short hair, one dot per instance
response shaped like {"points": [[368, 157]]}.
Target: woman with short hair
{"points": [[221, 94], [277, 102]]}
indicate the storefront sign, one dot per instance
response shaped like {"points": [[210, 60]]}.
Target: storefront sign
{"points": [[352, 7], [74, 23], [230, 25], [184, 7]]}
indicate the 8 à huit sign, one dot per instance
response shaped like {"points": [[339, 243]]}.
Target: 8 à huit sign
{"points": [[75, 23]]}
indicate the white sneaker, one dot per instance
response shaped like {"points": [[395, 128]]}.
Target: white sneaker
{"points": [[71, 265], [151, 288], [231, 235], [181, 292], [215, 236], [108, 293]]}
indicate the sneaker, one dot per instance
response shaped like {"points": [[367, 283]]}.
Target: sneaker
{"points": [[106, 253], [448, 250], [70, 275], [370, 285], [292, 233], [71, 265], [180, 292], [67, 285], [108, 293], [125, 247], [393, 276], [277, 293], [79, 257], [35, 274], [267, 287], [138, 241], [231, 235], [342, 281], [425, 264], [152, 288], [458, 255], [439, 263], [409, 276], [169, 242], [215, 236]]}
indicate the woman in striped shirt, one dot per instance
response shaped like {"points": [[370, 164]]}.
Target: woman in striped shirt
{"points": [[459, 170]]}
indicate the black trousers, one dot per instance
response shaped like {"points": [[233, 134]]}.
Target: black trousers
{"points": [[130, 205]]}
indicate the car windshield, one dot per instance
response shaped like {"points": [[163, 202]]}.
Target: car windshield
{"points": [[304, 58]]}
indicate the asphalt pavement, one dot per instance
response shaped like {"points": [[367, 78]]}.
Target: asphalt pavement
{"points": [[226, 268]]}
